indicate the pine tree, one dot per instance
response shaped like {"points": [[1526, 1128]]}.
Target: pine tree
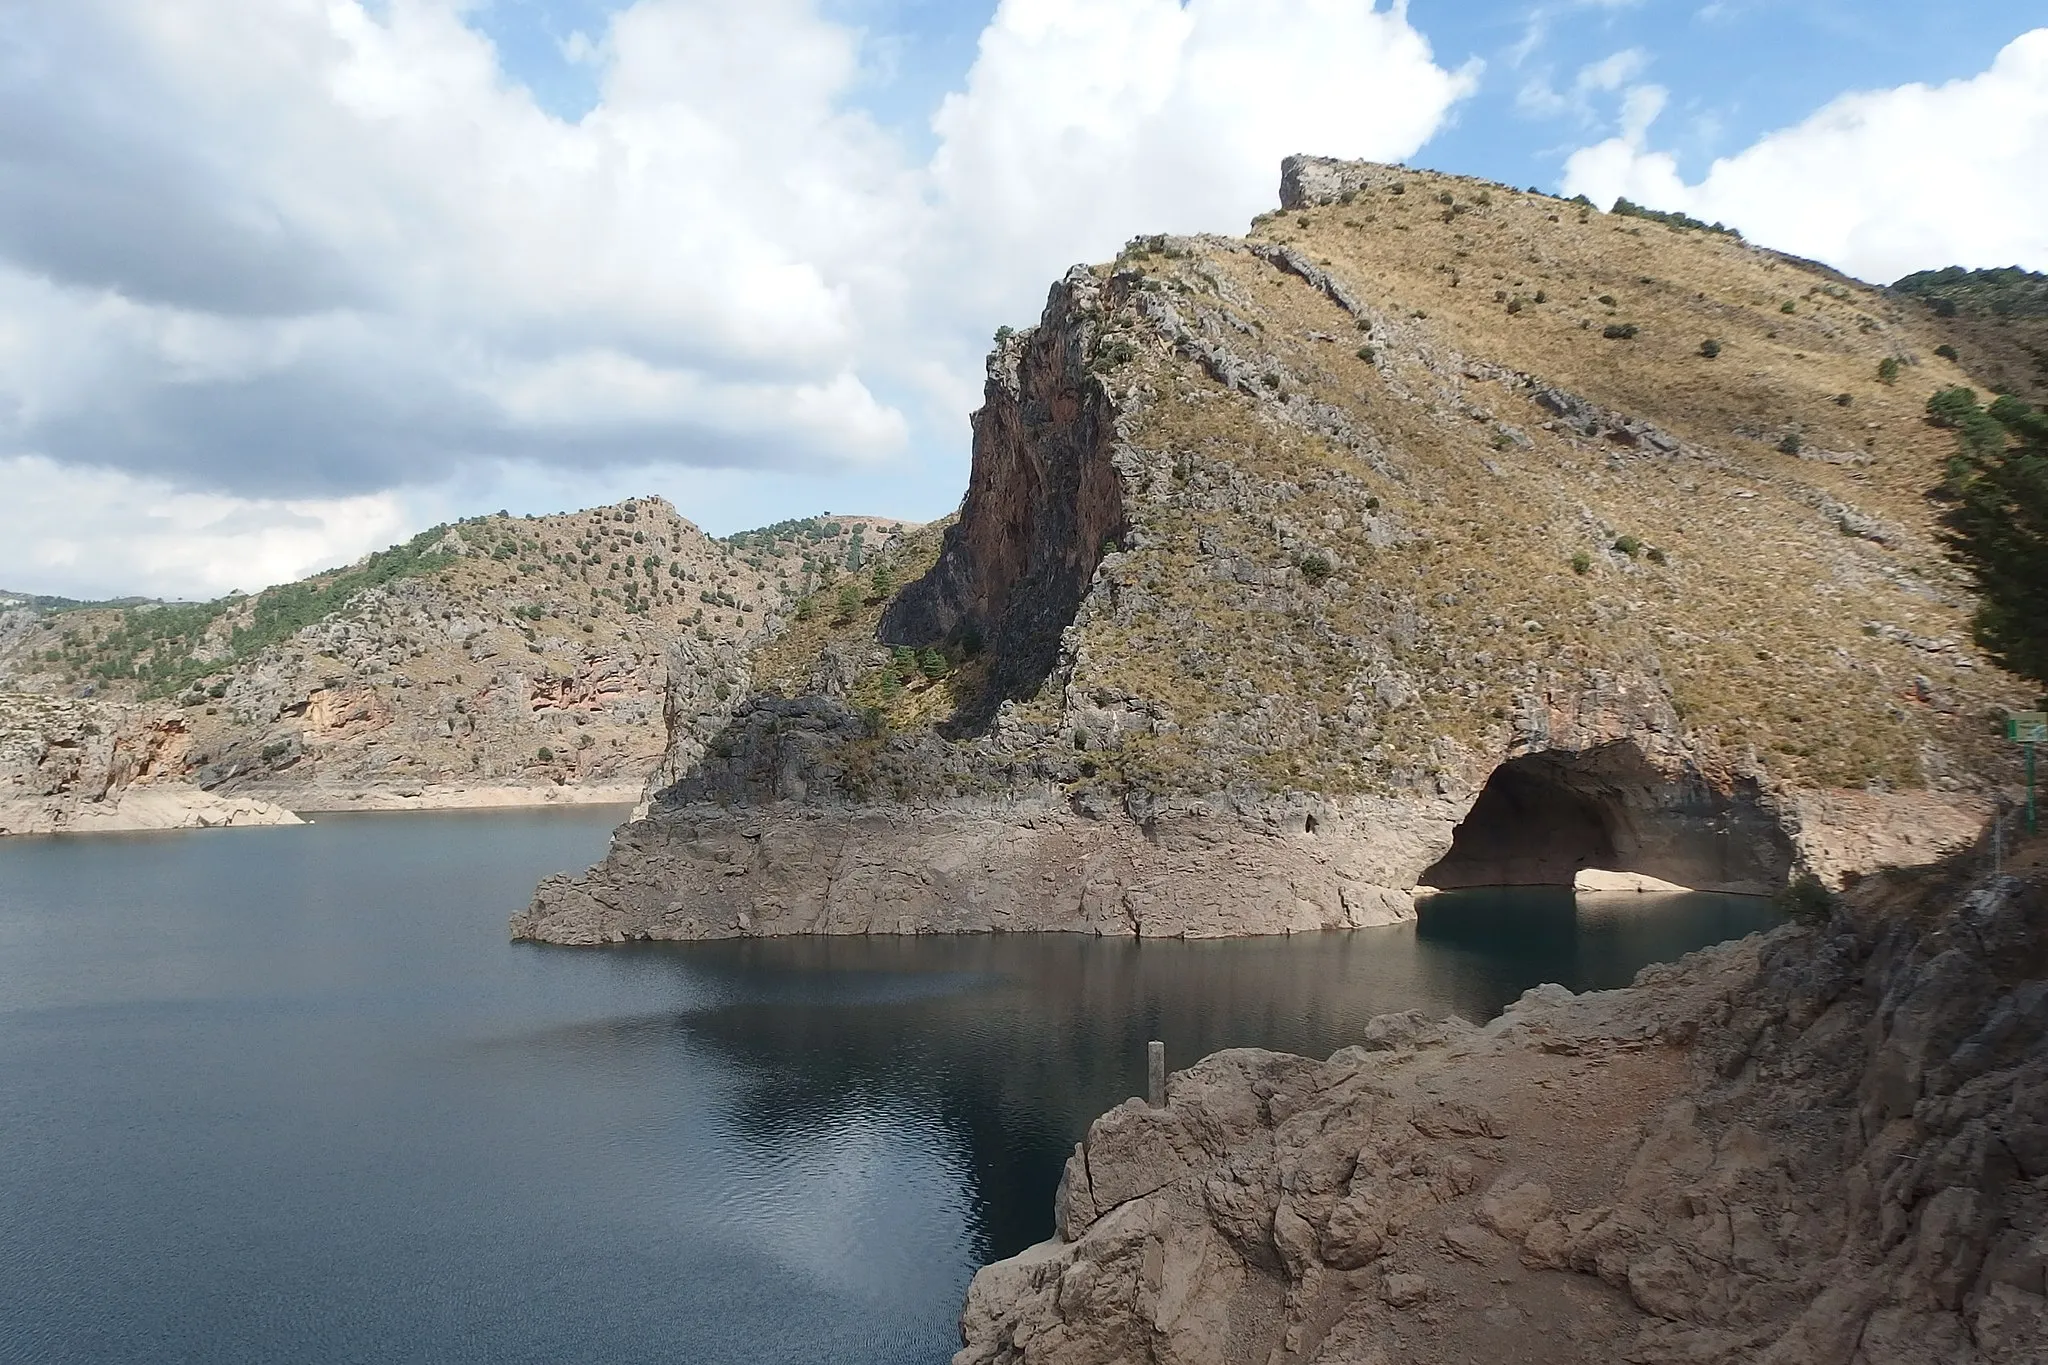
{"points": [[849, 600], [1996, 524], [883, 579]]}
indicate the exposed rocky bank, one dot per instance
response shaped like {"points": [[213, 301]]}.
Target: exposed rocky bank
{"points": [[87, 767], [1824, 1146]]}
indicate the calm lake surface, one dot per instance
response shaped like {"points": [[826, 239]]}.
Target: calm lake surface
{"points": [[290, 1095]]}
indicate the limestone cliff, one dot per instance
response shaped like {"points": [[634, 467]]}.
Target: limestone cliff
{"points": [[1434, 532], [1828, 1146]]}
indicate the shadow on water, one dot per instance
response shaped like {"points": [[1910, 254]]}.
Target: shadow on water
{"points": [[1012, 1044]]}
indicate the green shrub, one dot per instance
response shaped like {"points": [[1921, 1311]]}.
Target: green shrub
{"points": [[849, 600], [1789, 444], [546, 754], [1619, 331], [1607, 299], [933, 664], [1628, 209], [1996, 522], [1315, 566], [1628, 545], [1710, 348], [1367, 354], [1806, 899], [1843, 400], [1582, 563], [1888, 370], [1654, 555], [1946, 352], [1788, 306]]}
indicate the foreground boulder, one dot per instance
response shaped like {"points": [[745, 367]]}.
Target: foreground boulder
{"points": [[1824, 1146]]}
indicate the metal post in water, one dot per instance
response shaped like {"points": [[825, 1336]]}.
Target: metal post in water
{"points": [[1155, 1074]]}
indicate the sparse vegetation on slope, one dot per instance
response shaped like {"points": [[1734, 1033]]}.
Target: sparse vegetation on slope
{"points": [[498, 649]]}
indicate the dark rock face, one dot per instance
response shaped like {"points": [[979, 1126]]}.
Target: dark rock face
{"points": [[1043, 503], [1544, 817]]}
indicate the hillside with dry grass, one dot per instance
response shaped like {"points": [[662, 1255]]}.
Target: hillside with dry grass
{"points": [[1472, 439]]}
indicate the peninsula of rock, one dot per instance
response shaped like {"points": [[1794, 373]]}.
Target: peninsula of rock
{"points": [[1434, 533]]}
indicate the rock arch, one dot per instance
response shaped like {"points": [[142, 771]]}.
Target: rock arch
{"points": [[1543, 817]]}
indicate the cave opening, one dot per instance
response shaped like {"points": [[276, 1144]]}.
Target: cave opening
{"points": [[1543, 818]]}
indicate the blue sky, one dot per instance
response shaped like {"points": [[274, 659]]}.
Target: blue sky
{"points": [[283, 283], [1735, 69]]}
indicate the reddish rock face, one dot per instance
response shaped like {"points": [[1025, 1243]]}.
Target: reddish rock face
{"points": [[1043, 501]]}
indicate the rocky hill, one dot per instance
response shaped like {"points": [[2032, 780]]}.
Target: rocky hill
{"points": [[1433, 533], [1828, 1145], [498, 660]]}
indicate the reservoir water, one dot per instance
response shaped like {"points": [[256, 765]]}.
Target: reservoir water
{"points": [[290, 1095]]}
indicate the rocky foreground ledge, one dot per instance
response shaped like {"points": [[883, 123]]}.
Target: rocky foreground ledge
{"points": [[1828, 1144]]}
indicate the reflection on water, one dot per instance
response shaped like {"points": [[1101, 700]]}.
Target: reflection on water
{"points": [[279, 1094]]}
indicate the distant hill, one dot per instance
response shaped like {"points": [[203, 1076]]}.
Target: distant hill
{"points": [[498, 652], [1996, 321]]}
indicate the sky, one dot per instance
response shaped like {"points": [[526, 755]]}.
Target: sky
{"points": [[285, 282]]}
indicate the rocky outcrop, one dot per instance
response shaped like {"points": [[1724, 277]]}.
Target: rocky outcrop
{"points": [[1043, 507], [1381, 509], [1828, 1146]]}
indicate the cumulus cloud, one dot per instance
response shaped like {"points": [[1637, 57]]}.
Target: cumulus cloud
{"points": [[1878, 183], [1083, 122], [308, 252], [102, 533]]}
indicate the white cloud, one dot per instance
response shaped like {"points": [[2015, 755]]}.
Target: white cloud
{"points": [[102, 533], [307, 252], [1538, 99], [1877, 183], [1084, 122]]}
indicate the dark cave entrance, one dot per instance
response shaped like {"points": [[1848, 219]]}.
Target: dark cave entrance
{"points": [[1542, 818]]}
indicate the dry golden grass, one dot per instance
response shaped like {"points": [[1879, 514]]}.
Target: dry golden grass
{"points": [[1757, 616]]}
